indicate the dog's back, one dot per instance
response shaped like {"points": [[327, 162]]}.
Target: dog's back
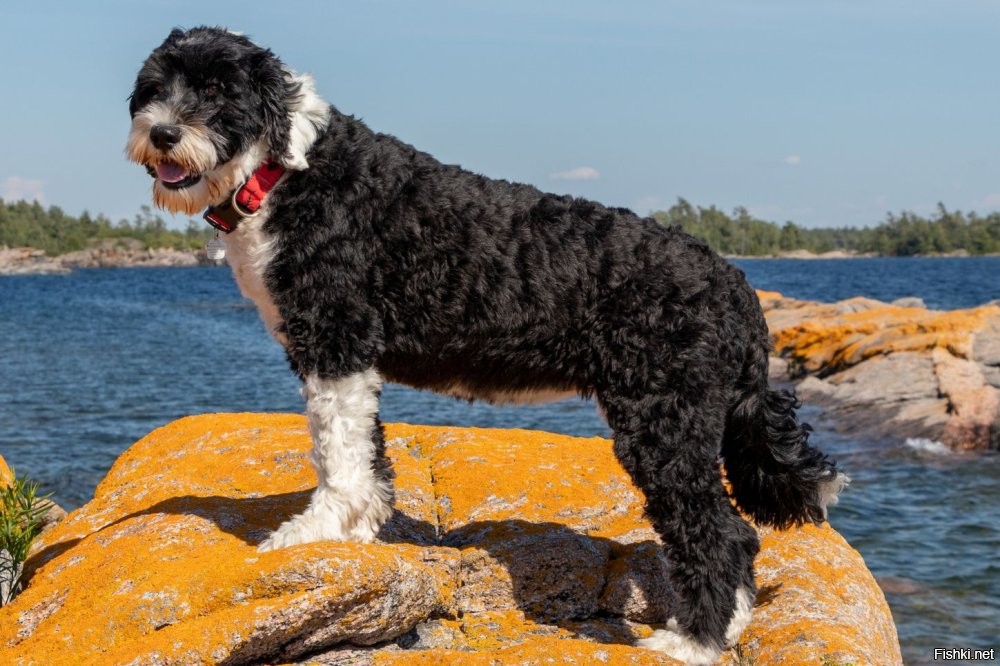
{"points": [[469, 272]]}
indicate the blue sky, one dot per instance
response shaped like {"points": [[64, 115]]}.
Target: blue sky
{"points": [[825, 113]]}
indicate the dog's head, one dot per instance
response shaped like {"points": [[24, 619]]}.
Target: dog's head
{"points": [[208, 107]]}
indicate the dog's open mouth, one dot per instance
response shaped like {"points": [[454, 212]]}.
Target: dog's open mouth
{"points": [[174, 176]]}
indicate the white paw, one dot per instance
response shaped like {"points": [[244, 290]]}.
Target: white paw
{"points": [[305, 528], [367, 528], [680, 646], [365, 531]]}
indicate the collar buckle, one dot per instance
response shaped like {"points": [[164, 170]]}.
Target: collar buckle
{"points": [[227, 216], [235, 203]]}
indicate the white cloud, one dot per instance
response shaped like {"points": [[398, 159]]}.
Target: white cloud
{"points": [[16, 188], [793, 160], [991, 200], [579, 173]]}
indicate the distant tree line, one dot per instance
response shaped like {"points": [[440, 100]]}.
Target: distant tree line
{"points": [[903, 234], [50, 229]]}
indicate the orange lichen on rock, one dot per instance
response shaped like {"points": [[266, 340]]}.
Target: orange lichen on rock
{"points": [[813, 569], [543, 650], [490, 476], [507, 547], [944, 382], [824, 337]]}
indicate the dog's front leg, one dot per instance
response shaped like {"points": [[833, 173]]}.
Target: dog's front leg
{"points": [[354, 494]]}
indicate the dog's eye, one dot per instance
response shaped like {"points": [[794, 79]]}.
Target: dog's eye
{"points": [[214, 87], [152, 89]]}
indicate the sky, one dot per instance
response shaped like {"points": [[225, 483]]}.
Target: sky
{"points": [[823, 113]]}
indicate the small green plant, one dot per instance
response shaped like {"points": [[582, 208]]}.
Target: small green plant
{"points": [[22, 514]]}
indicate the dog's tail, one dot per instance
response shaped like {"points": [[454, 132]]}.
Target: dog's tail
{"points": [[776, 476]]}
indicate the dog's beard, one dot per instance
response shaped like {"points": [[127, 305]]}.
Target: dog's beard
{"points": [[194, 155]]}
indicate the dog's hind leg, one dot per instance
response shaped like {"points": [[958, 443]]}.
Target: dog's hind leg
{"points": [[354, 495], [669, 445]]}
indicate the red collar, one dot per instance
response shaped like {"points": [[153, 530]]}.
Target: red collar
{"points": [[245, 201]]}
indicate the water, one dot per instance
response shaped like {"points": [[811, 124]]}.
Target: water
{"points": [[943, 283], [92, 361]]}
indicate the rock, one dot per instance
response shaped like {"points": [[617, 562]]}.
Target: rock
{"points": [[817, 559], [53, 513], [546, 569], [894, 371], [28, 261], [895, 395], [106, 253], [121, 254], [636, 583], [831, 254], [973, 403], [909, 302], [10, 573], [986, 351], [507, 547]]}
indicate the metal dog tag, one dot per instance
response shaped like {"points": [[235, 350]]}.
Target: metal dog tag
{"points": [[215, 248]]}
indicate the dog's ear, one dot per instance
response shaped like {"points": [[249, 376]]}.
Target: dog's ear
{"points": [[174, 36], [276, 100], [309, 116]]}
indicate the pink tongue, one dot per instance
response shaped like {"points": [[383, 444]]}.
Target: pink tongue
{"points": [[171, 172]]}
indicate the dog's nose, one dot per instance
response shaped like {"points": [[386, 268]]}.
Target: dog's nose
{"points": [[165, 137]]}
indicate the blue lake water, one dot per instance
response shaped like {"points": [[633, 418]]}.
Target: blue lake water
{"points": [[92, 361]]}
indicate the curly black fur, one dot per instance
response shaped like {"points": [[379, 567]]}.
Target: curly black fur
{"points": [[440, 278]]}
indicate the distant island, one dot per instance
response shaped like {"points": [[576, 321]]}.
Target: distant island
{"points": [[24, 224], [39, 240], [902, 234], [32, 235]]}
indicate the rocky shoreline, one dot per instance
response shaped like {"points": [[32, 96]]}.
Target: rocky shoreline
{"points": [[109, 253], [130, 253], [895, 370]]}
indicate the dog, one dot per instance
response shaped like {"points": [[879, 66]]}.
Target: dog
{"points": [[370, 260]]}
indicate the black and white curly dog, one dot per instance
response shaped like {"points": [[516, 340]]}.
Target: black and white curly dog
{"points": [[370, 260]]}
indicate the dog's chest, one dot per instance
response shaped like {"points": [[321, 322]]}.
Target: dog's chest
{"points": [[248, 252]]}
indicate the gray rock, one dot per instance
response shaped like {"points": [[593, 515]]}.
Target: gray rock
{"points": [[991, 374], [986, 344], [909, 302], [10, 576], [857, 304], [889, 396], [878, 381]]}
